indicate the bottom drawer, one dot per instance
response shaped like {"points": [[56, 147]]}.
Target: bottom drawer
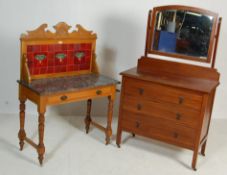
{"points": [[158, 128]]}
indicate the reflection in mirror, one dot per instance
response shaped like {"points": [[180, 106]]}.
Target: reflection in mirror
{"points": [[182, 32]]}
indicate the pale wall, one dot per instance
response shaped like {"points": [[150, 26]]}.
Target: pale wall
{"points": [[120, 25]]}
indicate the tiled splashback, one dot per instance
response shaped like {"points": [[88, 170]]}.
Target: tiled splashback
{"points": [[58, 58]]}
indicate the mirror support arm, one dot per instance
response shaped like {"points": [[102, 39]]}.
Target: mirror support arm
{"points": [[148, 32], [216, 42]]}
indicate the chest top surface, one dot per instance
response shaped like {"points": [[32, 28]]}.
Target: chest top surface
{"points": [[175, 74]]}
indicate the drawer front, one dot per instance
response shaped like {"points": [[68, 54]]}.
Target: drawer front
{"points": [[157, 92], [178, 114], [80, 95], [158, 128]]}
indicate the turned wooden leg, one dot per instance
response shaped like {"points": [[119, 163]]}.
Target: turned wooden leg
{"points": [[88, 116], [119, 133], [203, 148], [109, 120], [21, 133], [41, 147], [194, 159]]}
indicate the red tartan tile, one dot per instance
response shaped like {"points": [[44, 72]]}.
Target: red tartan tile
{"points": [[70, 47], [37, 63], [36, 48], [30, 56], [76, 67], [83, 46], [77, 46], [43, 70], [87, 59], [63, 68], [36, 71], [83, 60], [50, 56], [40, 64], [50, 70], [61, 61], [70, 68], [84, 67], [77, 61], [44, 48], [87, 62], [29, 48], [88, 53], [70, 61], [57, 69], [70, 54], [58, 47], [30, 64], [64, 47], [89, 46], [86, 46], [51, 63], [51, 48], [44, 63]]}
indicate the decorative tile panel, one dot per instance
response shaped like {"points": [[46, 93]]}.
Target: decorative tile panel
{"points": [[58, 58]]}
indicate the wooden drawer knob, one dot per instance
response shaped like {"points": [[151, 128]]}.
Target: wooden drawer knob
{"points": [[178, 116], [137, 124], [139, 107], [181, 100], [141, 91], [63, 98], [175, 135], [98, 92]]}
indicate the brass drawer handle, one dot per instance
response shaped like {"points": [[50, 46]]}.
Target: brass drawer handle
{"points": [[175, 135], [137, 124], [181, 100], [98, 92], [63, 98], [178, 116], [141, 91], [139, 107]]}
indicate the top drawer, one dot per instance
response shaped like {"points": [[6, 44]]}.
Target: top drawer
{"points": [[161, 93], [80, 95]]}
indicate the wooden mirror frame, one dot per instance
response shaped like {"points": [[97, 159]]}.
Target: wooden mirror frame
{"points": [[213, 38]]}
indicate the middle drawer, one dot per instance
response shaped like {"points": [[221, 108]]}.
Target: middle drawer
{"points": [[178, 114]]}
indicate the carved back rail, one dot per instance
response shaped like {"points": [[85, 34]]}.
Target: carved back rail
{"points": [[47, 54]]}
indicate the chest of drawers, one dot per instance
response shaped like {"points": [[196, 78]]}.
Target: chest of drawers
{"points": [[168, 107]]}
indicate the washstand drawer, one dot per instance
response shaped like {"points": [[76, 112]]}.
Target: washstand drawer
{"points": [[181, 115], [141, 88], [158, 128], [79, 95]]}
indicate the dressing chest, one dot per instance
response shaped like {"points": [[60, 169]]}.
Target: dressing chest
{"points": [[168, 100]]}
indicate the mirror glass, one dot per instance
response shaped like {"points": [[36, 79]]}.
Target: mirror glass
{"points": [[182, 32]]}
